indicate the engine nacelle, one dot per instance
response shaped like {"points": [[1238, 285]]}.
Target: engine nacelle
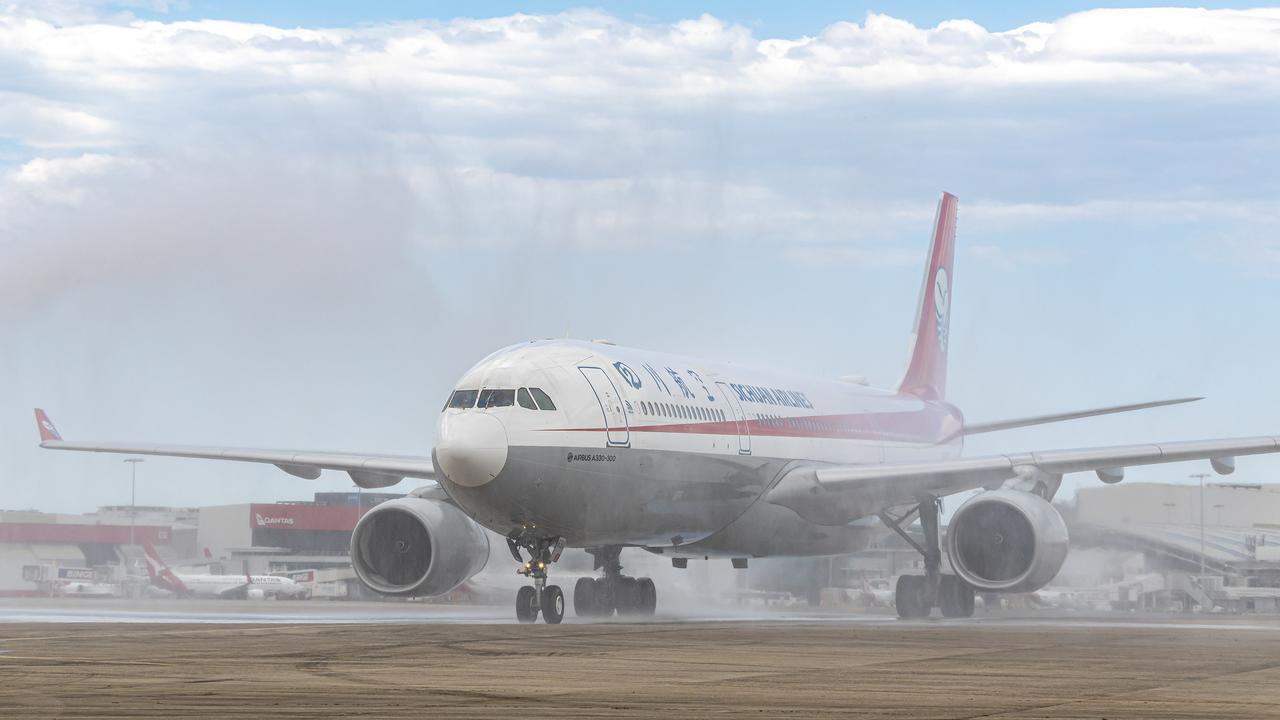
{"points": [[415, 546], [255, 594], [1007, 541]]}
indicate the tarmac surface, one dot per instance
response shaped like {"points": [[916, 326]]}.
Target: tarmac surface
{"points": [[377, 660]]}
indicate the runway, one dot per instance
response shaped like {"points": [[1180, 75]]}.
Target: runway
{"points": [[440, 665]]}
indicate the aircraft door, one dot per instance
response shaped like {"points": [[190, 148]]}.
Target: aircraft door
{"points": [[739, 417], [615, 417]]}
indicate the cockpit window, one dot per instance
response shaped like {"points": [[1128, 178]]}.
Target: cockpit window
{"points": [[490, 398], [525, 400], [463, 399], [543, 400]]}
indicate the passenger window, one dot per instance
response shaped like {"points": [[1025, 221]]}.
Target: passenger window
{"points": [[525, 400], [463, 399], [543, 400], [490, 398]]}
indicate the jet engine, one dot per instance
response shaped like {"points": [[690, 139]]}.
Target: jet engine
{"points": [[1007, 541], [255, 594], [416, 546]]}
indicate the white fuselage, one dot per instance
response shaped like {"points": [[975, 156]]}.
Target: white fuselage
{"points": [[660, 450], [206, 585]]}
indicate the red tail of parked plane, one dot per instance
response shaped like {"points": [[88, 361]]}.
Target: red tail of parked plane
{"points": [[160, 574]]}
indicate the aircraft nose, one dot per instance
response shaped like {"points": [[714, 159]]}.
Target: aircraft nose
{"points": [[471, 448]]}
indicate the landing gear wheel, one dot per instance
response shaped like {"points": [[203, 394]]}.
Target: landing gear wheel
{"points": [[606, 598], [648, 593], [527, 604], [552, 604], [586, 597], [627, 596], [909, 597], [955, 596]]}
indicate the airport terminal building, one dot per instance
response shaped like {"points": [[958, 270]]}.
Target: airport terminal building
{"points": [[42, 553]]}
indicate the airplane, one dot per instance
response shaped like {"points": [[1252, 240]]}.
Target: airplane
{"points": [[89, 590], [565, 443], [245, 587]]}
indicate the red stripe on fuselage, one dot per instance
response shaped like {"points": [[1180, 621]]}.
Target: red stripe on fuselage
{"points": [[931, 427]]}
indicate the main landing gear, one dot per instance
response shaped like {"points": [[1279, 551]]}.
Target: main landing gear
{"points": [[600, 597], [538, 597], [915, 595]]}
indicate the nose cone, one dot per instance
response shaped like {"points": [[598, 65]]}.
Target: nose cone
{"points": [[471, 448]]}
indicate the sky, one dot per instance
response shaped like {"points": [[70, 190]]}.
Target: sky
{"points": [[297, 226]]}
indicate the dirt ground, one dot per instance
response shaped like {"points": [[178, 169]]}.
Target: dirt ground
{"points": [[761, 669]]}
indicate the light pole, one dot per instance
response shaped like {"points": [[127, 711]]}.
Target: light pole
{"points": [[1201, 477], [133, 487]]}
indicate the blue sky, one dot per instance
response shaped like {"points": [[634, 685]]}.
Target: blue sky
{"points": [[768, 19], [299, 235]]}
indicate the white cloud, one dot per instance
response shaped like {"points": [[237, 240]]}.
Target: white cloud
{"points": [[1014, 258], [56, 181], [44, 123], [43, 171], [582, 129]]}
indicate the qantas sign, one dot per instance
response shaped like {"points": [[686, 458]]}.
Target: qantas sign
{"points": [[268, 521]]}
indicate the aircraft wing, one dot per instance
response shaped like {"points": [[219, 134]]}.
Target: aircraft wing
{"points": [[236, 591], [367, 471], [986, 427], [837, 495]]}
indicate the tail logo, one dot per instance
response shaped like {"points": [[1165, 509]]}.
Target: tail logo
{"points": [[941, 306], [48, 426], [264, 521]]}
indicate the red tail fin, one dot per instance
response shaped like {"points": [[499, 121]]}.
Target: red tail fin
{"points": [[927, 370], [160, 574], [45, 426], [154, 563]]}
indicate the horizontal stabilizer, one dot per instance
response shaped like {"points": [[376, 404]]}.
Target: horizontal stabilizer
{"points": [[976, 428]]}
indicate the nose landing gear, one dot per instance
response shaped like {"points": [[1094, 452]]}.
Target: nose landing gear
{"points": [[600, 597], [915, 596], [538, 597]]}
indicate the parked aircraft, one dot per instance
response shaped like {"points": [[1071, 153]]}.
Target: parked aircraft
{"points": [[563, 443], [252, 587]]}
